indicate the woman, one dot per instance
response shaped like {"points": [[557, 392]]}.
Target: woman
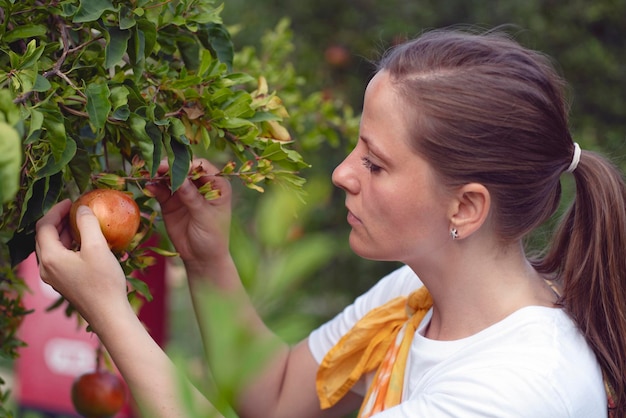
{"points": [[463, 141]]}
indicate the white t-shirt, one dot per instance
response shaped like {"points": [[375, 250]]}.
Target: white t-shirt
{"points": [[534, 363]]}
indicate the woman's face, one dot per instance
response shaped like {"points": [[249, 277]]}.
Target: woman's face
{"points": [[396, 207]]}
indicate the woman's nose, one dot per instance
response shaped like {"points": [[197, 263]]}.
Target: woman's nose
{"points": [[343, 175]]}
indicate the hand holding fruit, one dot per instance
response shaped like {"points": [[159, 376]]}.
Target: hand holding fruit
{"points": [[91, 278], [198, 228]]}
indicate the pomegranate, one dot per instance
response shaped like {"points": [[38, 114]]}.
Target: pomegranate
{"points": [[117, 213], [98, 394]]}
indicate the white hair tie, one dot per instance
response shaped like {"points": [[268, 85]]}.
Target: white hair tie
{"points": [[575, 158]]}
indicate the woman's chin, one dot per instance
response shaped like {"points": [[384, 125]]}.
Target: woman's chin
{"points": [[365, 250]]}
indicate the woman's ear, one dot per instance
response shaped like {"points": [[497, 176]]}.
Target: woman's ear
{"points": [[469, 209]]}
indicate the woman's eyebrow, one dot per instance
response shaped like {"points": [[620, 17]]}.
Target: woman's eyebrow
{"points": [[374, 149]]}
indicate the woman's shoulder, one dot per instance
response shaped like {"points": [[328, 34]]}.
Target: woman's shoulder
{"points": [[399, 282], [541, 334], [538, 325], [534, 357]]}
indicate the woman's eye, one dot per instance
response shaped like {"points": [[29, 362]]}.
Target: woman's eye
{"points": [[367, 163]]}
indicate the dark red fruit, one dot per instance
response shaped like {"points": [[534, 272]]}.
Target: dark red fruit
{"points": [[337, 56], [98, 394]]}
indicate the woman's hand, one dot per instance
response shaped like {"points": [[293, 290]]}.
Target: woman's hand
{"points": [[198, 228], [91, 279]]}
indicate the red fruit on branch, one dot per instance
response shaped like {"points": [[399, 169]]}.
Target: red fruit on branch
{"points": [[337, 56], [117, 212], [98, 394]]}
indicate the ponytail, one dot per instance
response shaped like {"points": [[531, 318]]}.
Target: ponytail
{"points": [[588, 258]]}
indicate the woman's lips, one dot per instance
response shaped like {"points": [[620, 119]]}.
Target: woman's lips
{"points": [[352, 219]]}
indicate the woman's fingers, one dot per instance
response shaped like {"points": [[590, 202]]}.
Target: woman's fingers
{"points": [[49, 244], [90, 231], [51, 226], [201, 172]]}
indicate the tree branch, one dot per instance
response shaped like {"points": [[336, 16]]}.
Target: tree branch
{"points": [[56, 68]]}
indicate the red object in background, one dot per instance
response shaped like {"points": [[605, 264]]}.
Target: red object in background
{"points": [[59, 348]]}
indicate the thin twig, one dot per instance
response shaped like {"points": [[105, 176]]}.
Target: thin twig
{"points": [[56, 69]]}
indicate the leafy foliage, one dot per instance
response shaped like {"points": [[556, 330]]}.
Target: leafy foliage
{"points": [[112, 88], [95, 93]]}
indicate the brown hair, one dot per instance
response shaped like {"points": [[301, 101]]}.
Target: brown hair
{"points": [[488, 110]]}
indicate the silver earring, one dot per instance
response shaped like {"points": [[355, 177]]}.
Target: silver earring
{"points": [[454, 233]]}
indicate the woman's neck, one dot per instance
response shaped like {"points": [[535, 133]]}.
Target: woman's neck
{"points": [[479, 288]]}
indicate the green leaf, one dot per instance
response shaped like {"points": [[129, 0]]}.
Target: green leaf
{"points": [[216, 37], [53, 165], [27, 78], [80, 167], [189, 51], [126, 18], [54, 187], [68, 10], [10, 162], [91, 10], [9, 112], [21, 245], [275, 152], [57, 303], [264, 117], [190, 81], [53, 123], [121, 113], [149, 33], [40, 196], [41, 84], [137, 126], [204, 12], [31, 56], [119, 96], [233, 123], [179, 158], [36, 123], [116, 46], [157, 140], [25, 31], [119, 99], [140, 286], [240, 107], [98, 104], [137, 48], [292, 181], [177, 129], [206, 63], [238, 78]]}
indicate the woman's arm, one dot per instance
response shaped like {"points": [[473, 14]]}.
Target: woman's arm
{"points": [[93, 281], [285, 386], [200, 229]]}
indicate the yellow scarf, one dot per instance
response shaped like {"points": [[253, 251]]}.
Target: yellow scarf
{"points": [[381, 339]]}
